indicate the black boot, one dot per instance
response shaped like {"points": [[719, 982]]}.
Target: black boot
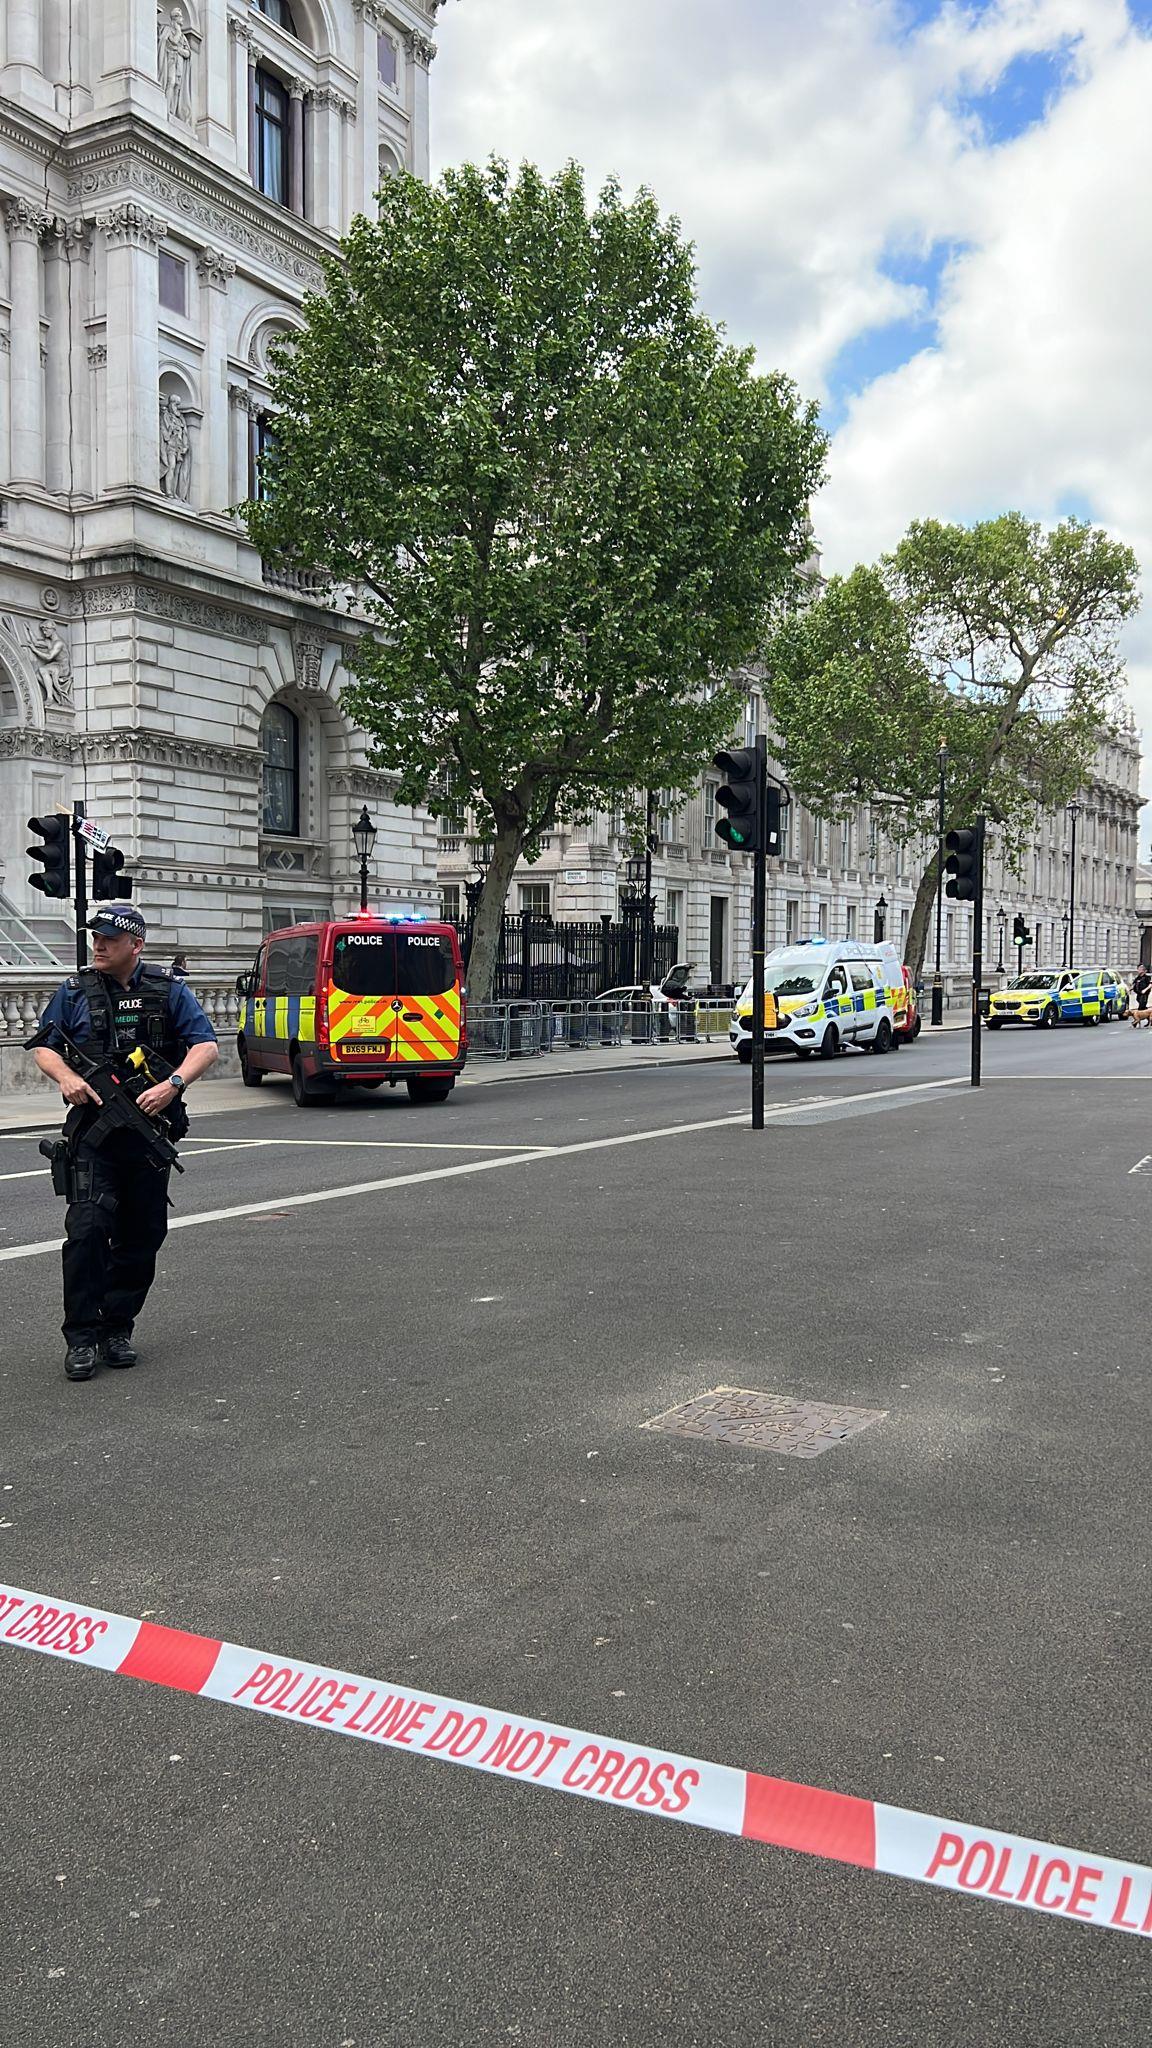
{"points": [[117, 1349], [81, 1361]]}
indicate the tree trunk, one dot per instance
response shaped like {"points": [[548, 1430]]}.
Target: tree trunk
{"points": [[490, 913], [920, 928]]}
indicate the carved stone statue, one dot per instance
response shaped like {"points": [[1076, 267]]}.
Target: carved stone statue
{"points": [[174, 65], [53, 666], [175, 450]]}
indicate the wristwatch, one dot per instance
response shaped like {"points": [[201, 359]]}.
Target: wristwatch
{"points": [[177, 1082]]}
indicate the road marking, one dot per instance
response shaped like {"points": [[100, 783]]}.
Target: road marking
{"points": [[1142, 1165], [33, 1173], [364, 1144], [282, 1203], [836, 1826]]}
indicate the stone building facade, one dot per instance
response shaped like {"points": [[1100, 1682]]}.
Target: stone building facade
{"points": [[836, 877], [169, 179]]}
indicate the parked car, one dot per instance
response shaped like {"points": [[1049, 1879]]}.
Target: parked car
{"points": [[672, 990], [1046, 997]]}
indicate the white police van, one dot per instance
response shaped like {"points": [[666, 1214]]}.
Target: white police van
{"points": [[821, 995]]}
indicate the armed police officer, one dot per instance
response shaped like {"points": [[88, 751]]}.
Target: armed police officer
{"points": [[117, 1217]]}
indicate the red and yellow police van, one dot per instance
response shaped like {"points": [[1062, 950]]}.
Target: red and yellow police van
{"points": [[358, 1001]]}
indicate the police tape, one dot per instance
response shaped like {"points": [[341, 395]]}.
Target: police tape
{"points": [[982, 1862]]}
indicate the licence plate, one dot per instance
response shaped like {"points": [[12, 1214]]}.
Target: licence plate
{"points": [[376, 1045]]}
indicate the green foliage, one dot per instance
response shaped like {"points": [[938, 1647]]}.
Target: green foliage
{"points": [[998, 641], [564, 501]]}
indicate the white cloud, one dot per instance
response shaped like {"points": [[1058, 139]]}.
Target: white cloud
{"points": [[799, 146]]}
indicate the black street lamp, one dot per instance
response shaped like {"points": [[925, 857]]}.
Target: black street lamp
{"points": [[364, 839], [1001, 920], [1074, 810], [937, 979], [879, 919], [473, 891], [1066, 921]]}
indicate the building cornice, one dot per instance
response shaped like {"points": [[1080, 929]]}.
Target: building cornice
{"points": [[29, 131], [127, 159]]}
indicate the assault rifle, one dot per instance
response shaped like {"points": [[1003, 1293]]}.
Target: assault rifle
{"points": [[118, 1109]]}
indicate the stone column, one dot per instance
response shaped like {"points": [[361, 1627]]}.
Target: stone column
{"points": [[216, 270], [5, 407], [215, 128], [239, 442], [243, 66], [332, 111], [132, 431], [421, 53], [365, 175], [297, 194], [26, 223], [23, 77], [66, 249], [128, 70]]}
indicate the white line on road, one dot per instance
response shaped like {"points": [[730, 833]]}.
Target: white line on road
{"points": [[1141, 1165], [366, 1144], [282, 1203], [32, 1173]]}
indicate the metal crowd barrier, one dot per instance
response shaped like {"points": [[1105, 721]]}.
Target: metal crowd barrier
{"points": [[522, 1030]]}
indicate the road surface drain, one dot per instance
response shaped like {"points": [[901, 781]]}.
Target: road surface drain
{"points": [[766, 1422]]}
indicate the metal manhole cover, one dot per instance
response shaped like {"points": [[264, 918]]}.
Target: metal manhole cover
{"points": [[766, 1422]]}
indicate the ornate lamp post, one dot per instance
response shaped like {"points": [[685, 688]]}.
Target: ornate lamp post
{"points": [[364, 839], [1074, 810], [879, 920]]}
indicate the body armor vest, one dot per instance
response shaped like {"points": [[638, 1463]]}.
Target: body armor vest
{"points": [[123, 1018]]}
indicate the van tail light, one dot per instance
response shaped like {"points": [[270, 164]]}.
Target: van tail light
{"points": [[322, 1014]]}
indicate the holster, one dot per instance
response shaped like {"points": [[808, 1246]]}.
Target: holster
{"points": [[58, 1152]]}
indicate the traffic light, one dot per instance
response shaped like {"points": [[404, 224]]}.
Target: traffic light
{"points": [[740, 797], [1021, 936], [56, 832], [962, 864], [106, 879]]}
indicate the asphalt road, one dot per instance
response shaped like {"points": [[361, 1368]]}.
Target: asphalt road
{"points": [[400, 1432]]}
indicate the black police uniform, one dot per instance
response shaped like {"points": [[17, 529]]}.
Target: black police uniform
{"points": [[117, 1217]]}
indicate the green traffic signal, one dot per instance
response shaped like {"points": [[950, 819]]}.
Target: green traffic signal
{"points": [[739, 796]]}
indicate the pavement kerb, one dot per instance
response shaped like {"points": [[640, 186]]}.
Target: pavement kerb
{"points": [[22, 1116]]}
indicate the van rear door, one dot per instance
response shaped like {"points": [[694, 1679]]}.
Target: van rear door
{"points": [[393, 995]]}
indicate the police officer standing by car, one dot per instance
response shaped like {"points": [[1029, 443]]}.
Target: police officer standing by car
{"points": [[117, 1216]]}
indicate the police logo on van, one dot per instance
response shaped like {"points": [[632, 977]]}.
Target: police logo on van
{"points": [[363, 939]]}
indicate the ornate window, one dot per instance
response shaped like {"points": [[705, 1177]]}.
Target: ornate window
{"points": [[261, 441], [387, 61], [270, 154], [280, 746], [173, 283], [280, 12]]}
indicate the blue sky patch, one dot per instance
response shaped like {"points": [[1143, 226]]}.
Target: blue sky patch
{"points": [[871, 354], [1022, 94]]}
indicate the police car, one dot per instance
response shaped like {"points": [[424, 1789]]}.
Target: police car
{"points": [[1046, 997], [822, 995]]}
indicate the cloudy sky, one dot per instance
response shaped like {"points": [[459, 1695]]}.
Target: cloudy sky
{"points": [[933, 213]]}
